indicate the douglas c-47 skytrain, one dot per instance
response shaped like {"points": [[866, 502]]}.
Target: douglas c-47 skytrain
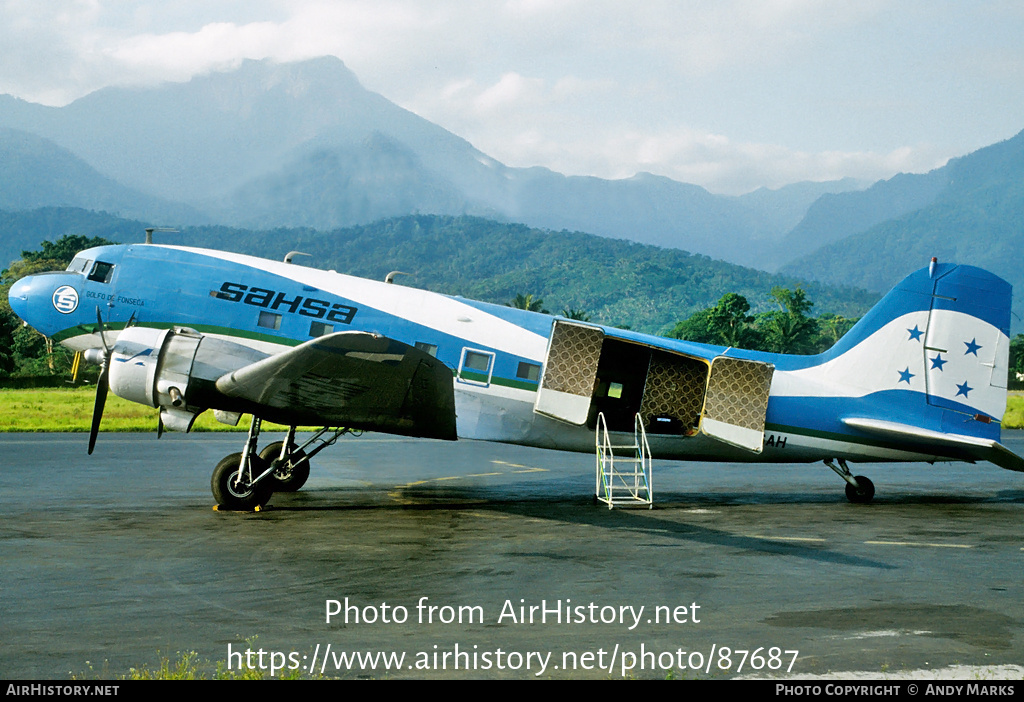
{"points": [[922, 377]]}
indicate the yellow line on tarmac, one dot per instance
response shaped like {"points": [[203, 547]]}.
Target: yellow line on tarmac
{"points": [[395, 492], [785, 538]]}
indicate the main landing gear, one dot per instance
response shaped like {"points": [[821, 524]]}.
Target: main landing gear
{"points": [[859, 489], [245, 481]]}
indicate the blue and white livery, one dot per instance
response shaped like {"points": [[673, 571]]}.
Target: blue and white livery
{"points": [[922, 377]]}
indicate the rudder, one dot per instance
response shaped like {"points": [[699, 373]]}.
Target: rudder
{"points": [[943, 335]]}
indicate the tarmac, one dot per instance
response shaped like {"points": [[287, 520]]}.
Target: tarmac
{"points": [[408, 558]]}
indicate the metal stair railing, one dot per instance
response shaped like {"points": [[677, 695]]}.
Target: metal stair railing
{"points": [[615, 485]]}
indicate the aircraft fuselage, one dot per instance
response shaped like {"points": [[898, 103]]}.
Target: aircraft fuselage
{"points": [[503, 360]]}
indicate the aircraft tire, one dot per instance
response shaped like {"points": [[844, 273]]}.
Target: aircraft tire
{"points": [[862, 495], [230, 497], [287, 480]]}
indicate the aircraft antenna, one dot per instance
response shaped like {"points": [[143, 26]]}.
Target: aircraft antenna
{"points": [[288, 256], [150, 230]]}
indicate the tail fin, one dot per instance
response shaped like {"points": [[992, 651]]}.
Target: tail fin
{"points": [[929, 363], [944, 332]]}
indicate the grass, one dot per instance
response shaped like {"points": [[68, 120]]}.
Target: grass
{"points": [[189, 665], [1014, 417], [70, 410]]}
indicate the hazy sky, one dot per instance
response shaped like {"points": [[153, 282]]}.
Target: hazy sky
{"points": [[728, 94]]}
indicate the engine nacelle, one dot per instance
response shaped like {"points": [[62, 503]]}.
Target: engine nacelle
{"points": [[157, 367], [135, 362]]}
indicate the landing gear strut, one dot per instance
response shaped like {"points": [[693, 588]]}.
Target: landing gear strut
{"points": [[245, 481], [291, 467], [859, 489]]}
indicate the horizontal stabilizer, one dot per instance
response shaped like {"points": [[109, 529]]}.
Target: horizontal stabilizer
{"points": [[349, 379], [954, 445]]}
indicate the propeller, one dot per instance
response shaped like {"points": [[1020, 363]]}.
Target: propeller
{"points": [[103, 382]]}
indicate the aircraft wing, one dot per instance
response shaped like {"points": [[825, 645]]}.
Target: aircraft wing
{"points": [[350, 379], [973, 447]]}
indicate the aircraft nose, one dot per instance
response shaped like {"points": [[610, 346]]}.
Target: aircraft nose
{"points": [[45, 301], [18, 297]]}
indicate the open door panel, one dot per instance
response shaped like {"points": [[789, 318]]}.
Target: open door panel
{"points": [[737, 401], [570, 371]]}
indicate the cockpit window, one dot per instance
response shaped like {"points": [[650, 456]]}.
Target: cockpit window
{"points": [[79, 265], [101, 272]]}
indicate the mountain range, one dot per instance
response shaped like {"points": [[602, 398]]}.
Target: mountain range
{"points": [[971, 211], [306, 145]]}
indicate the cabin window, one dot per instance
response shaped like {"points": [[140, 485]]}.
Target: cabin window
{"points": [[269, 320], [320, 329], [476, 361], [427, 348], [101, 272], [79, 265], [528, 371], [476, 367]]}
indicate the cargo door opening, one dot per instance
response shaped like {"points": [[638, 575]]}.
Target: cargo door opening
{"points": [[619, 390], [674, 394], [587, 374]]}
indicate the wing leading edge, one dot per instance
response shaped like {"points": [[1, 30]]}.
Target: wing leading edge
{"points": [[351, 379]]}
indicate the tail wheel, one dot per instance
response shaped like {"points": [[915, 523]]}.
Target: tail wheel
{"points": [[243, 496], [861, 494], [292, 473]]}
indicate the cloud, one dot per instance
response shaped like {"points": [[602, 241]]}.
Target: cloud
{"points": [[58, 51], [45, 47], [712, 160], [512, 91], [568, 126], [729, 94], [178, 56]]}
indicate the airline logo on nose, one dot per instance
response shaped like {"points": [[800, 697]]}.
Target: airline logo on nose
{"points": [[65, 299]]}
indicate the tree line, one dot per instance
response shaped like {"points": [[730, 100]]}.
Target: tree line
{"points": [[788, 329]]}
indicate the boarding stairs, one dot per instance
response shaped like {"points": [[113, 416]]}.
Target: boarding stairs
{"points": [[623, 470]]}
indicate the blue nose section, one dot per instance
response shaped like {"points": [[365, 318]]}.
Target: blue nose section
{"points": [[18, 296], [48, 302]]}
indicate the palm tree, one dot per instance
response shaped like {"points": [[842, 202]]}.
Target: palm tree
{"points": [[575, 314], [527, 302]]}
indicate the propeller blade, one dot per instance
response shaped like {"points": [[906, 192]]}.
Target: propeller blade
{"points": [[103, 335], [103, 382], [97, 410], [159, 424]]}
